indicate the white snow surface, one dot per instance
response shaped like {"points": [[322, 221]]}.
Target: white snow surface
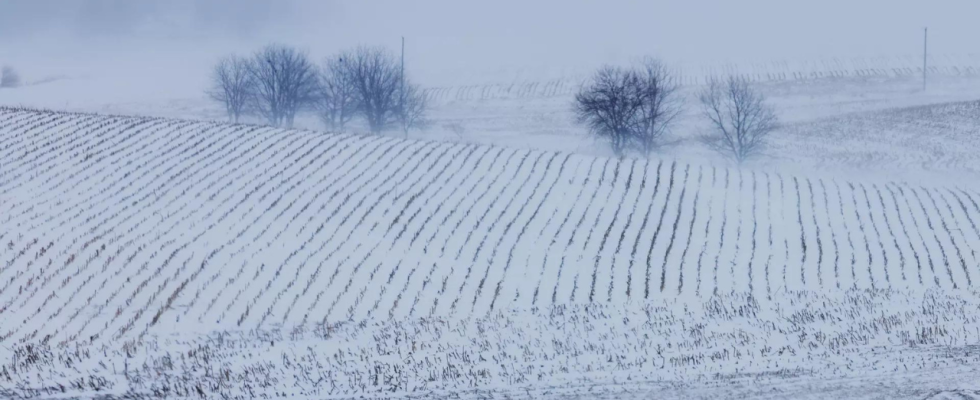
{"points": [[499, 252], [858, 116], [153, 256]]}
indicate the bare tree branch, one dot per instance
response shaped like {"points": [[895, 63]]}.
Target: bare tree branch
{"points": [[232, 86], [740, 119], [632, 108], [285, 82], [661, 107], [338, 100], [377, 78], [412, 108]]}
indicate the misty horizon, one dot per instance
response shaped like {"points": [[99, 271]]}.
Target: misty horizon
{"points": [[447, 40], [447, 199]]}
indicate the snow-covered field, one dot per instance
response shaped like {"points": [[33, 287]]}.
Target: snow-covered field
{"points": [[150, 250], [885, 127], [862, 115], [171, 257]]}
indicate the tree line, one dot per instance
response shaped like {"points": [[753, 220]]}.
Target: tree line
{"points": [[278, 81], [634, 107]]}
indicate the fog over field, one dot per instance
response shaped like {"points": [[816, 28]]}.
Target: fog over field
{"points": [[452, 42], [547, 200]]}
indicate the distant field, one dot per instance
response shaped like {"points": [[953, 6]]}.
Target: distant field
{"points": [[962, 65], [829, 117], [120, 229], [940, 139], [855, 126]]}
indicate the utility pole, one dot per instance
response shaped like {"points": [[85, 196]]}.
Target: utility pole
{"points": [[925, 55]]}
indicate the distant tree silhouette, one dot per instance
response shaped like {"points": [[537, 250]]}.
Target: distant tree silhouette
{"points": [[384, 96], [285, 82], [232, 85], [631, 108], [739, 117], [337, 102]]}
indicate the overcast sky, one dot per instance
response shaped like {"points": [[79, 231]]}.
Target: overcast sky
{"points": [[467, 39]]}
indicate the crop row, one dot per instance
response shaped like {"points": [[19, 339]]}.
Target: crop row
{"points": [[135, 226]]}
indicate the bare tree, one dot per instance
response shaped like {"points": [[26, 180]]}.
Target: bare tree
{"points": [[9, 77], [232, 86], [609, 105], [739, 117], [285, 82], [632, 108], [661, 104], [337, 102], [377, 78], [412, 108]]}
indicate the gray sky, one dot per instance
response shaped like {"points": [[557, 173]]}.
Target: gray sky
{"points": [[452, 40]]}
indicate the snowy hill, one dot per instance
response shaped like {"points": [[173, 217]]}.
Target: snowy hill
{"points": [[116, 231]]}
